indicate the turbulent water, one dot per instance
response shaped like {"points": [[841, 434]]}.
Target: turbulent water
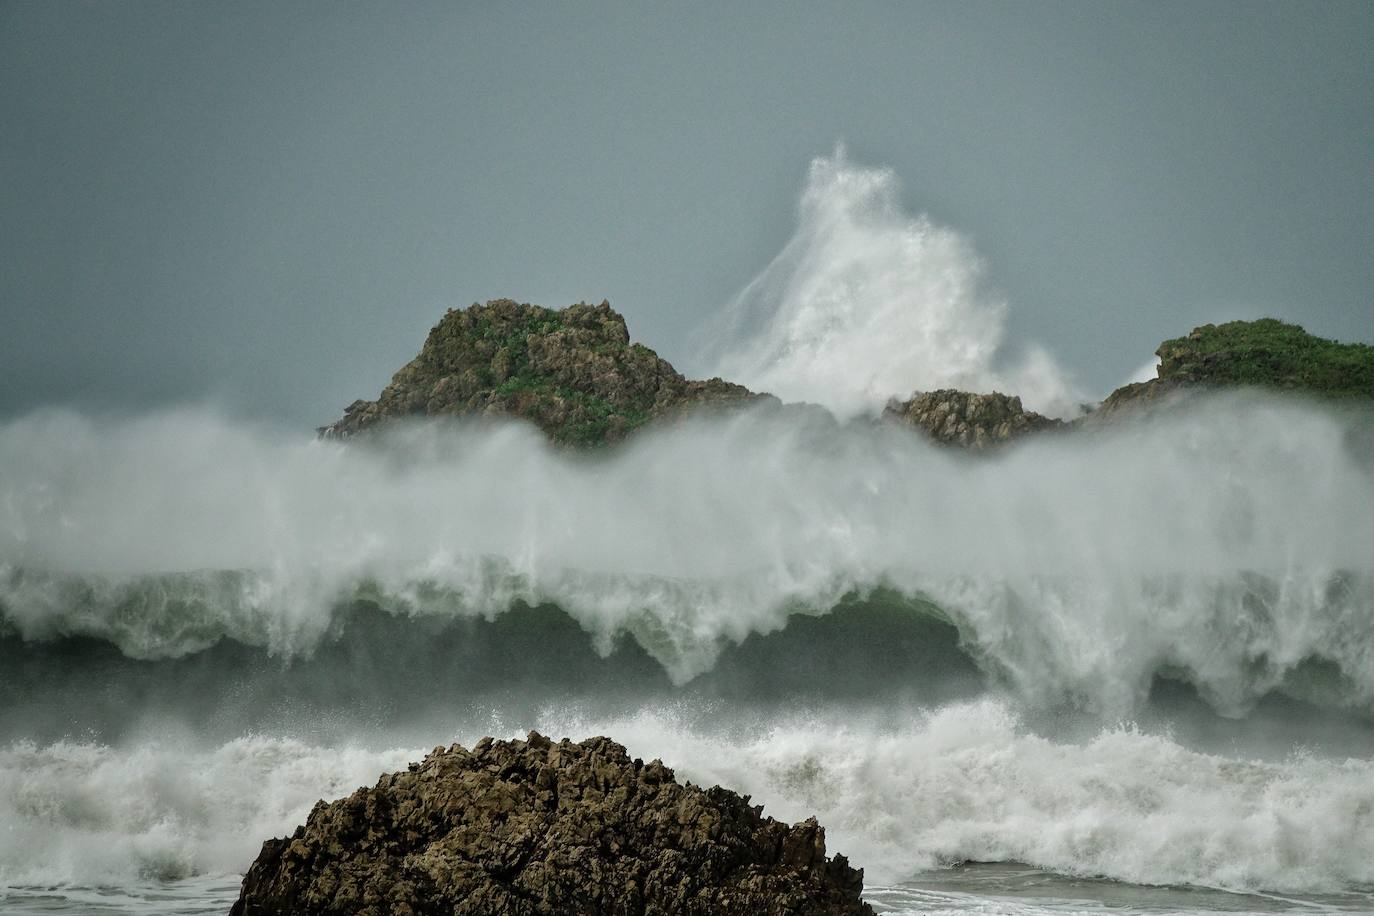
{"points": [[867, 301], [1129, 668], [1143, 654]]}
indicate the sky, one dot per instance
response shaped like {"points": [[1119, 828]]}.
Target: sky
{"points": [[265, 206]]}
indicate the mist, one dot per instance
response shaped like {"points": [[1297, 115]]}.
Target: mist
{"points": [[1235, 557]]}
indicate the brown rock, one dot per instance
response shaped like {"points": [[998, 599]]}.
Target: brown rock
{"points": [[974, 421], [573, 372], [534, 828]]}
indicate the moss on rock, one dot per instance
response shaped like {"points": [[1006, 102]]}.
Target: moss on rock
{"points": [[1267, 353], [1270, 353], [573, 372]]}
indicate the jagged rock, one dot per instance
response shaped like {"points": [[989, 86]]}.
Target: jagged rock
{"points": [[975, 421], [534, 828], [573, 372], [1266, 353]]}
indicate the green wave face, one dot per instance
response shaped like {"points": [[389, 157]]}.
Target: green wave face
{"points": [[1223, 546]]}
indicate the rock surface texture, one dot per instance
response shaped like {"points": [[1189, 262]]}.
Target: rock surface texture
{"points": [[535, 827], [974, 421], [574, 373], [1266, 353]]}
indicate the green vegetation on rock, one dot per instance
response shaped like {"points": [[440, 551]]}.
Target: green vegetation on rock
{"points": [[573, 372], [1269, 353], [1266, 353]]}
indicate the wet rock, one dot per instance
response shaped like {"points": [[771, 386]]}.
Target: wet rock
{"points": [[528, 828], [572, 372], [973, 421]]}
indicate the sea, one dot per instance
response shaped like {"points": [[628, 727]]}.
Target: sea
{"points": [[1126, 669]]}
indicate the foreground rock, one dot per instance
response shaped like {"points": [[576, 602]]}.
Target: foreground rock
{"points": [[533, 827], [574, 373], [974, 421]]}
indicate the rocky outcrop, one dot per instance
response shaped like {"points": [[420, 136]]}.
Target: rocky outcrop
{"points": [[1266, 353], [974, 421], [519, 828], [574, 373]]}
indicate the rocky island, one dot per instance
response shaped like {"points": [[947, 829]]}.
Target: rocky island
{"points": [[573, 373], [576, 375], [543, 828], [1266, 353]]}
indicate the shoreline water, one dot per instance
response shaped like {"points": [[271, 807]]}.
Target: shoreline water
{"points": [[901, 790], [975, 888]]}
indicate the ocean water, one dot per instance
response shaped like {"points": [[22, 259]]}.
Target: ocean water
{"points": [[1129, 670]]}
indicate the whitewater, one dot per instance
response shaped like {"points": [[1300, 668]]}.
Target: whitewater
{"points": [[1125, 668], [1143, 654]]}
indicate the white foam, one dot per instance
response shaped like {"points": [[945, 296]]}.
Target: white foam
{"points": [[89, 814], [961, 783], [1229, 543], [966, 783], [866, 303]]}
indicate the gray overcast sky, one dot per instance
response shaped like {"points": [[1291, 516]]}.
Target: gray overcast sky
{"points": [[267, 205]]}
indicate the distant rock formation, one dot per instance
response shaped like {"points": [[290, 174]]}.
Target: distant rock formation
{"points": [[973, 421], [534, 828], [1266, 353], [573, 372]]}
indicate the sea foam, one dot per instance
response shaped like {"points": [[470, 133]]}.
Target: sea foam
{"points": [[1226, 545], [964, 782], [866, 302]]}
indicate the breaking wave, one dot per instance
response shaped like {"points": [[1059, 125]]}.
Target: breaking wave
{"points": [[1226, 546], [966, 782], [205, 626], [866, 302]]}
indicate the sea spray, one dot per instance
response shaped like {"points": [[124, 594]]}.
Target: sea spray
{"points": [[91, 814], [1226, 545], [910, 790], [208, 625], [866, 302], [966, 783]]}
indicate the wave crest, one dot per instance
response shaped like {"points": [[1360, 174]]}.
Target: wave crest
{"points": [[1226, 543], [866, 303]]}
